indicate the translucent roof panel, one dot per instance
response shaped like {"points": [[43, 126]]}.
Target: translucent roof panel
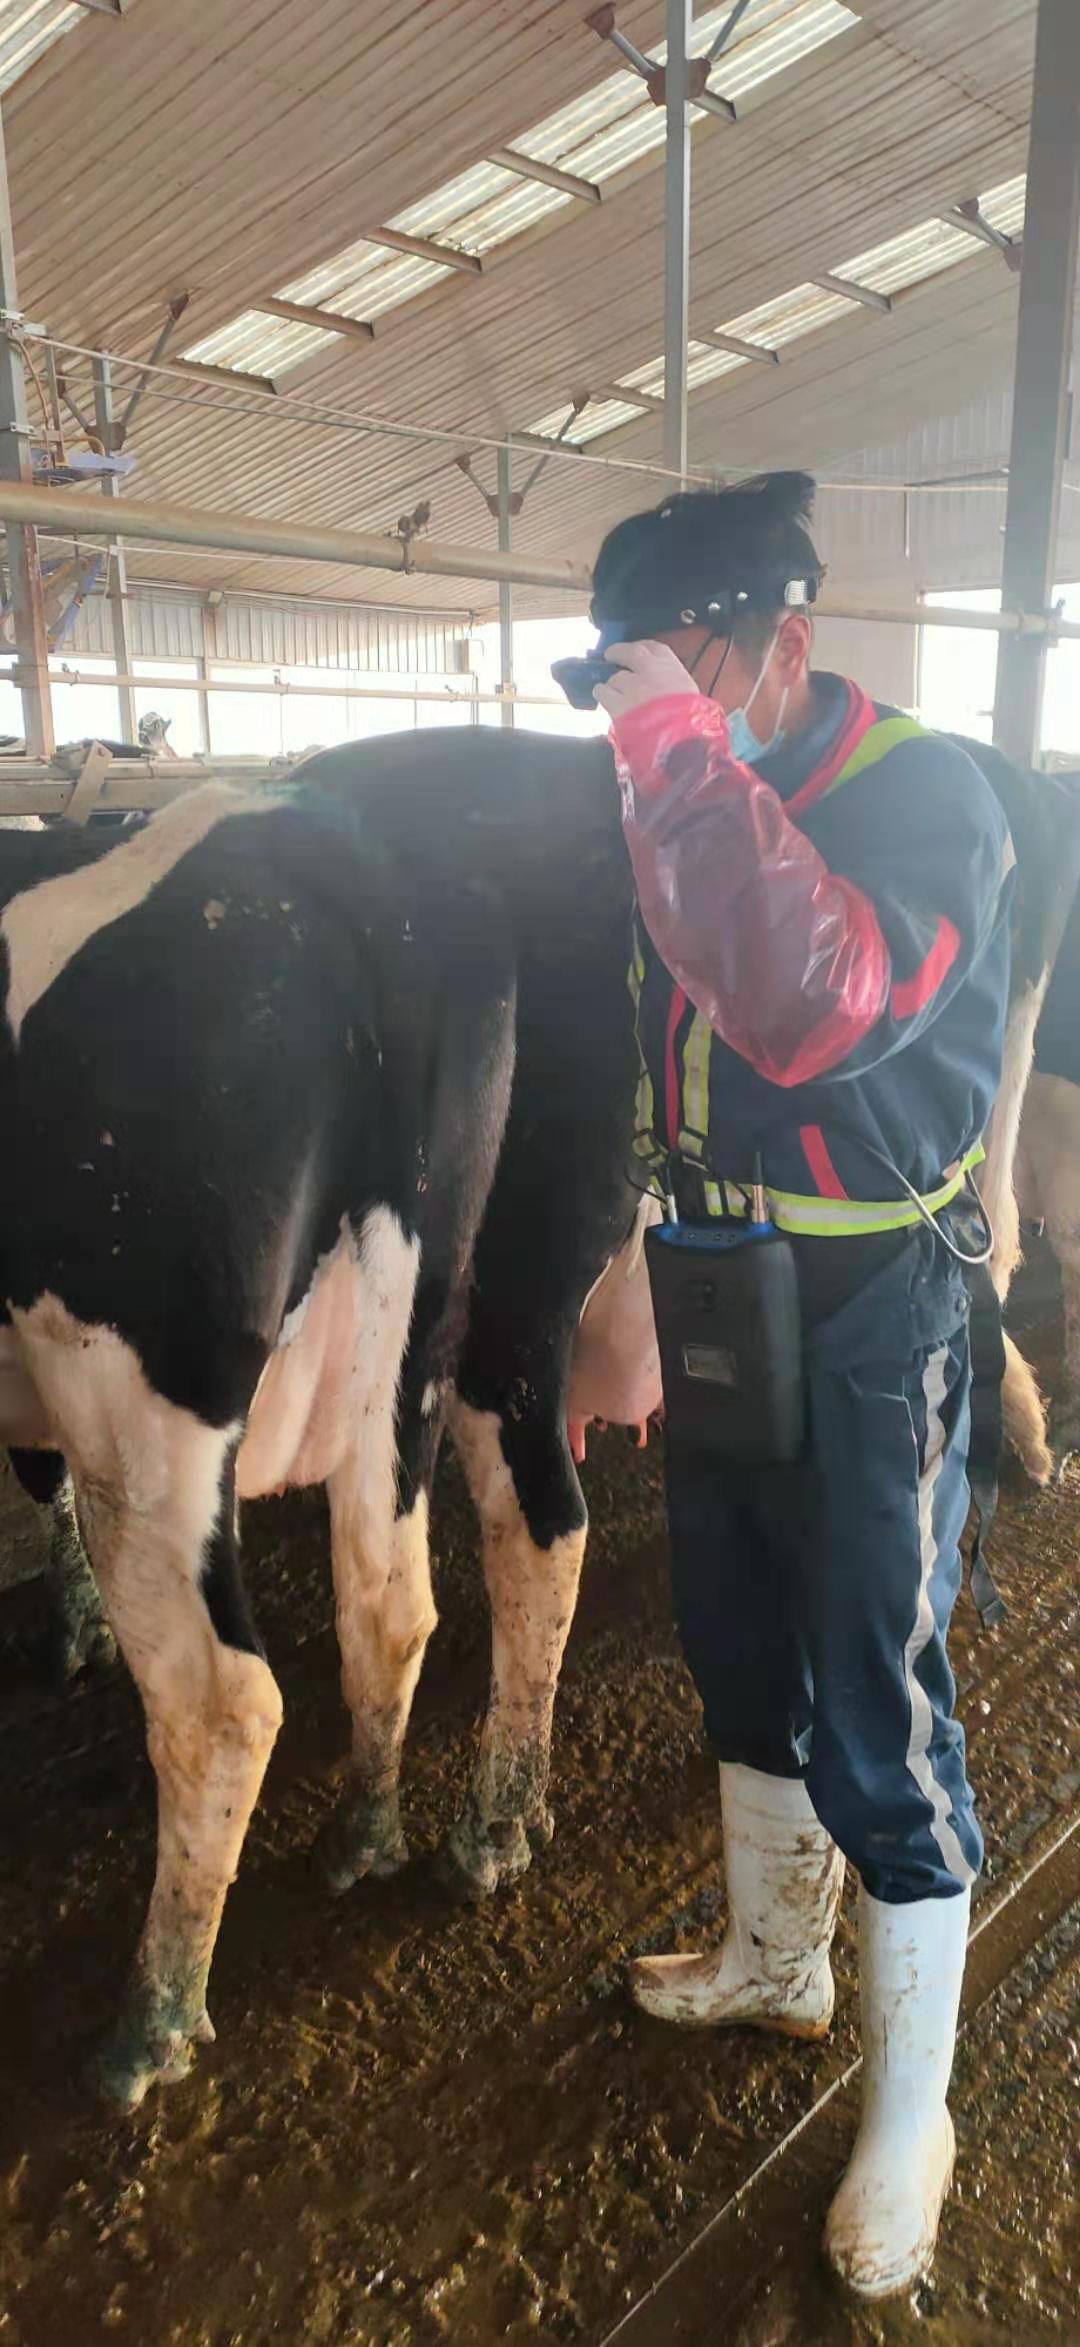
{"points": [[364, 280], [255, 344], [28, 28], [909, 259], [616, 123], [769, 38], [703, 365], [601, 415], [480, 209], [787, 315], [1003, 206]]}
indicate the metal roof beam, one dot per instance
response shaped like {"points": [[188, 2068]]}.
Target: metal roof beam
{"points": [[425, 248], [303, 314], [548, 174], [627, 396], [830, 283], [968, 217], [735, 344], [235, 377]]}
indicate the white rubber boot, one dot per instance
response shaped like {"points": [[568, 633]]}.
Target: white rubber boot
{"points": [[883, 2223], [784, 1879]]}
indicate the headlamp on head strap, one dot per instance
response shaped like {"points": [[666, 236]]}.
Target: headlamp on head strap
{"points": [[711, 611]]}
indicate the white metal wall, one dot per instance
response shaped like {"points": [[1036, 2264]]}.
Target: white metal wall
{"points": [[272, 634]]}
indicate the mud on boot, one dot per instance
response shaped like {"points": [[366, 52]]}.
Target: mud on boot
{"points": [[784, 1879]]}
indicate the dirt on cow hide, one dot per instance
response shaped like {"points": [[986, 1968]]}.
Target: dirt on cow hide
{"points": [[423, 2122]]}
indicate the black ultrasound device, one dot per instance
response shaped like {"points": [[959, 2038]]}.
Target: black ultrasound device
{"points": [[579, 677]]}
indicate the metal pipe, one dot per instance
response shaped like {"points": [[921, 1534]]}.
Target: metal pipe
{"points": [[439, 696], [993, 623], [680, 19], [239, 533], [1043, 350], [16, 467], [506, 599], [726, 30], [105, 419]]}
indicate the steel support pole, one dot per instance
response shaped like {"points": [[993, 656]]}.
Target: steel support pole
{"points": [[506, 592], [24, 571], [680, 18], [1041, 390], [105, 419]]}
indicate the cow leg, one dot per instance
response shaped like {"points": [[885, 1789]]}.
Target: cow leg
{"points": [[533, 1519], [385, 1616], [154, 1491], [79, 1635], [1050, 1185], [382, 1579]]}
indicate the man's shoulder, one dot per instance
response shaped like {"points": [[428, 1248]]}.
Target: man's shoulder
{"points": [[933, 769]]}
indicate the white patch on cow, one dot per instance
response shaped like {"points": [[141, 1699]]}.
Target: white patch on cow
{"points": [[44, 927], [532, 1592], [331, 1382], [996, 1176], [148, 1480], [432, 1398]]}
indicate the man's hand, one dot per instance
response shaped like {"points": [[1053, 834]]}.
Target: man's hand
{"points": [[647, 672]]}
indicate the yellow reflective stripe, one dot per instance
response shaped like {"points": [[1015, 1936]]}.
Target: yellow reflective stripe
{"points": [[876, 743], [697, 1051], [644, 1104], [856, 1217]]}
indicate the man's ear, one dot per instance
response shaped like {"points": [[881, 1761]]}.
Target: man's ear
{"points": [[795, 636]]}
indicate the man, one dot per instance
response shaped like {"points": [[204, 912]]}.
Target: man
{"points": [[820, 968]]}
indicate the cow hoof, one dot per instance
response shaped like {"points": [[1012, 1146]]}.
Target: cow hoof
{"points": [[363, 1837], [1063, 1436], [135, 2057], [476, 1859], [89, 1647]]}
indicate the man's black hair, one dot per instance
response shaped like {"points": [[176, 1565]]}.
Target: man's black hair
{"points": [[741, 545]]}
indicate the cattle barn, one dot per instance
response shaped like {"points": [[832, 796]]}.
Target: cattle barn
{"points": [[353, 1772]]}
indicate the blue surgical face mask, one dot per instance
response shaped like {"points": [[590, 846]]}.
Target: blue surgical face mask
{"points": [[746, 745]]}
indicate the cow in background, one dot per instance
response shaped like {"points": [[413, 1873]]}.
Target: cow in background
{"points": [[1043, 813], [1048, 1164]]}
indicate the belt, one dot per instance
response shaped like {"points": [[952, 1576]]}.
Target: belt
{"points": [[830, 1218]]}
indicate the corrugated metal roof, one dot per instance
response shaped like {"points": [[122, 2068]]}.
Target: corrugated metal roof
{"points": [[28, 28], [703, 365], [241, 168], [909, 258], [597, 417], [787, 315], [488, 205], [480, 209]]}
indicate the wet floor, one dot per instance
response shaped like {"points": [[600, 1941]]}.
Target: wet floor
{"points": [[424, 2122]]}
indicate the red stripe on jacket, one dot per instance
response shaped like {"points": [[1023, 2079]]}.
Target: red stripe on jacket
{"points": [[822, 1169], [911, 994], [858, 718]]}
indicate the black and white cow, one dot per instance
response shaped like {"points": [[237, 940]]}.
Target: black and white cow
{"points": [[318, 1108], [1048, 1165]]}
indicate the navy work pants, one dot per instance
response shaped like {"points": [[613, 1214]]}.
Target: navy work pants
{"points": [[813, 1600]]}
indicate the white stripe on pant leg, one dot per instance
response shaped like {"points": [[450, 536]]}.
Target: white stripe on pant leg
{"points": [[922, 1716]]}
